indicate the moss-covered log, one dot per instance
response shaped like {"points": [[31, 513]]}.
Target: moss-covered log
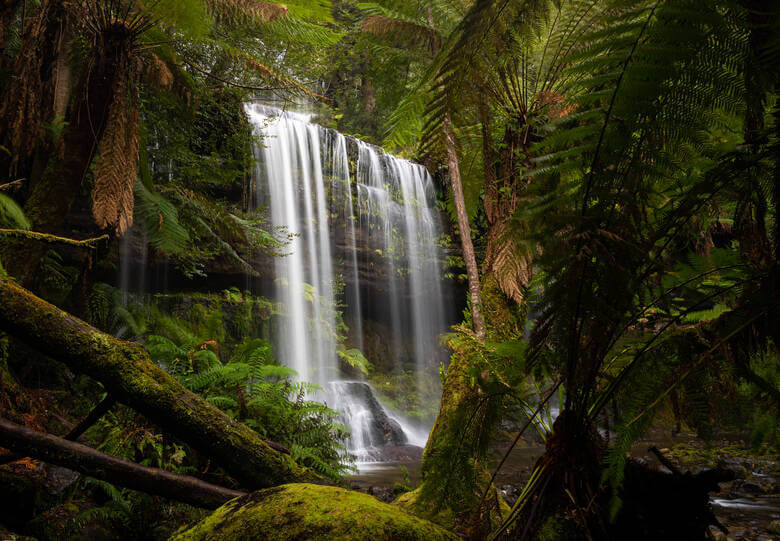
{"points": [[312, 512], [126, 372], [81, 458]]}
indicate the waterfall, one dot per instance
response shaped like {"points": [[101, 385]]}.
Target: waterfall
{"points": [[369, 223]]}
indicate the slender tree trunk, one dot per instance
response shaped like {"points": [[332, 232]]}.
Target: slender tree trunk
{"points": [[80, 458], [126, 372], [475, 294], [477, 318]]}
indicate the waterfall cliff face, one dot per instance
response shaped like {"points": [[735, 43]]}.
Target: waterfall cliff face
{"points": [[365, 236]]}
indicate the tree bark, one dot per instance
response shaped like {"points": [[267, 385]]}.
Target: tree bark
{"points": [[126, 372], [478, 320], [53, 191], [78, 457], [101, 409]]}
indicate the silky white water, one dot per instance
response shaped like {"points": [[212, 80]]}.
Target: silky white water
{"points": [[370, 235]]}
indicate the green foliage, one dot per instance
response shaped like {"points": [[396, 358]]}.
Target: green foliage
{"points": [[116, 509], [56, 277], [354, 358], [159, 221], [318, 11], [189, 17], [198, 159], [11, 215], [252, 387], [485, 385], [633, 174]]}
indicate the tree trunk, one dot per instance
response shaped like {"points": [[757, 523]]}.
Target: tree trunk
{"points": [[126, 372], [53, 191], [506, 263], [477, 318], [80, 458]]}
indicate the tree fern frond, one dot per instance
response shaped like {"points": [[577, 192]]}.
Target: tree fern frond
{"points": [[159, 220], [387, 23], [116, 166], [11, 214], [297, 30], [237, 12]]}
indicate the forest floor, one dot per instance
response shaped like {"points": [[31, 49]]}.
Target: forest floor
{"points": [[748, 507]]}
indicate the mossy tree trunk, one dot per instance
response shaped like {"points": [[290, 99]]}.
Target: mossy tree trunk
{"points": [[125, 370]]}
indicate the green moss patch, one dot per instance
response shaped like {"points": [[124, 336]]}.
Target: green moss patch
{"points": [[311, 512]]}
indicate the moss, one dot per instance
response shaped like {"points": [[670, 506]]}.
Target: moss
{"points": [[126, 372], [311, 512], [410, 502], [504, 317], [555, 528], [457, 391]]}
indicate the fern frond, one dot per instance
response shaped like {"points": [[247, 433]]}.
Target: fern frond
{"points": [[12, 214], [116, 167], [229, 374], [238, 12], [386, 23], [159, 220]]}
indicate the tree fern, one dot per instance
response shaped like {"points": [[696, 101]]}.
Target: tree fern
{"points": [[159, 220], [11, 215], [645, 86]]}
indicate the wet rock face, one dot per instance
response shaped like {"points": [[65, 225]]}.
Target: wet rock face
{"points": [[384, 429], [402, 453]]}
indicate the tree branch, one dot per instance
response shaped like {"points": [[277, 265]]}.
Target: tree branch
{"points": [[54, 239], [78, 457], [13, 185], [97, 412]]}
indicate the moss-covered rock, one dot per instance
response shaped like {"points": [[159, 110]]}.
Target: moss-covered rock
{"points": [[311, 512]]}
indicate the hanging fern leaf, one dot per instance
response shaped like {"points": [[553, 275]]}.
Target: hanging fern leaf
{"points": [[116, 167], [11, 214]]}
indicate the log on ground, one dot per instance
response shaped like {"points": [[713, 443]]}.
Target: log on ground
{"points": [[125, 370], [84, 459]]}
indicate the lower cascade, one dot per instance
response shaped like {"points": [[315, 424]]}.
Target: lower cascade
{"points": [[365, 232], [375, 434]]}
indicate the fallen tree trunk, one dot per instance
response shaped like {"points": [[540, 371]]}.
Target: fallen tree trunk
{"points": [[126, 372], [80, 458], [76, 432]]}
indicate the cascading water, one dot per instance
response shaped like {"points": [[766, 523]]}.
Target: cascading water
{"points": [[377, 234]]}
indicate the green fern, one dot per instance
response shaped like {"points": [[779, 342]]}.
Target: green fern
{"points": [[159, 220], [11, 215]]}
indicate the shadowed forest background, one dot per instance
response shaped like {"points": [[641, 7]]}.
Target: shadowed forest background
{"points": [[329, 269]]}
